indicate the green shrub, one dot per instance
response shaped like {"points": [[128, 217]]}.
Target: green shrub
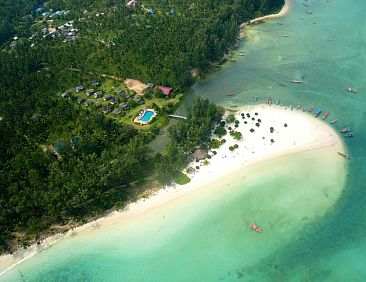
{"points": [[182, 178], [220, 131], [230, 118], [236, 135]]}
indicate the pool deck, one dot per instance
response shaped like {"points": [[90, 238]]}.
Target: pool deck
{"points": [[142, 113]]}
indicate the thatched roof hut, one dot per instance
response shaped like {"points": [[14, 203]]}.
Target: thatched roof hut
{"points": [[199, 154]]}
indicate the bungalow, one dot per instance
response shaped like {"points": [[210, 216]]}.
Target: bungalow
{"points": [[80, 100], [79, 88], [150, 85], [106, 109], [65, 95], [95, 83], [166, 90], [107, 97], [119, 91], [131, 4], [151, 11], [98, 94], [127, 96], [198, 154], [137, 99], [88, 102], [97, 105], [123, 106], [117, 112], [90, 92], [114, 100]]}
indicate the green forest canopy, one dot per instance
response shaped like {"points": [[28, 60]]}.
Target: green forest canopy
{"points": [[101, 159]]}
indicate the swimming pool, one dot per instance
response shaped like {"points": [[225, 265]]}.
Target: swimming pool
{"points": [[147, 116]]}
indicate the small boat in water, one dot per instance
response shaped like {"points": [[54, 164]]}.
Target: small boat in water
{"points": [[344, 130], [285, 35], [348, 135], [255, 98], [296, 81], [317, 112], [310, 109], [333, 121], [269, 101], [255, 228], [230, 94], [343, 155], [351, 89], [325, 115]]}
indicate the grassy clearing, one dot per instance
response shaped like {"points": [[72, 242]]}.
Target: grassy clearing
{"points": [[182, 178]]}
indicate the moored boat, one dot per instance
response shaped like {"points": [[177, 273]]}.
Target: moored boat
{"points": [[310, 109], [348, 135], [351, 89], [230, 94], [255, 228], [344, 130], [343, 155], [296, 81], [317, 112], [325, 115], [333, 121], [255, 98]]}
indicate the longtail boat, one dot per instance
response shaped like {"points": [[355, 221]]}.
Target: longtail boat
{"points": [[325, 115], [255, 228], [310, 109], [344, 130], [348, 135], [333, 121], [351, 89], [230, 94], [317, 112], [343, 155]]}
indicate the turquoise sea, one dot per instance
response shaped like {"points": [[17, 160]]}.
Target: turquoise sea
{"points": [[311, 205]]}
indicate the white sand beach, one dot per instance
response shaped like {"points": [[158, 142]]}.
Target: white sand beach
{"points": [[303, 133], [285, 9]]}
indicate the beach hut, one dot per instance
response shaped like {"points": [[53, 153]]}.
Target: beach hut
{"points": [[199, 154]]}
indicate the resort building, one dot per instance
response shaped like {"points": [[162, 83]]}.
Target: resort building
{"points": [[89, 92], [79, 88], [166, 90], [98, 94]]}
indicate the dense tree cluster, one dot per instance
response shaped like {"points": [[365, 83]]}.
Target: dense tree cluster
{"points": [[188, 135]]}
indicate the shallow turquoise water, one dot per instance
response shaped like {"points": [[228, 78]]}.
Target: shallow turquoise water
{"points": [[206, 238]]}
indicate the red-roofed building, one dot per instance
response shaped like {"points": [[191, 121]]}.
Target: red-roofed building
{"points": [[166, 90]]}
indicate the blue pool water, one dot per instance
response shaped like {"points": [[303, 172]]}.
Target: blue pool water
{"points": [[148, 115]]}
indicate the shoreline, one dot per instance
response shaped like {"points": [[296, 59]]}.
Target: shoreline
{"points": [[304, 133], [284, 11], [287, 7]]}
